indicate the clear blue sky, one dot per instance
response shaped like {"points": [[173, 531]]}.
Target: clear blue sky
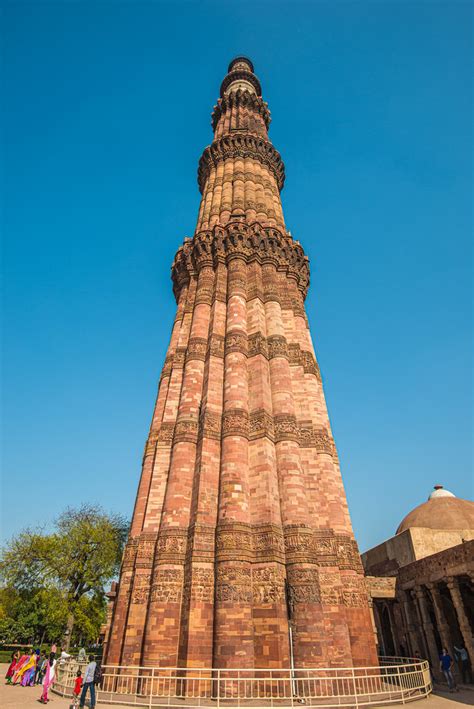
{"points": [[106, 112]]}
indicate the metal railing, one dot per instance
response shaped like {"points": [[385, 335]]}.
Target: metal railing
{"points": [[396, 680]]}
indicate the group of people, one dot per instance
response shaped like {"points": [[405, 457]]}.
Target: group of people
{"points": [[446, 664], [27, 669], [32, 668]]}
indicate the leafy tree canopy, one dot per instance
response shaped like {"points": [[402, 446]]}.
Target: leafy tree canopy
{"points": [[56, 580]]}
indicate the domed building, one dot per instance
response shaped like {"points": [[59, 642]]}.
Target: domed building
{"points": [[421, 580]]}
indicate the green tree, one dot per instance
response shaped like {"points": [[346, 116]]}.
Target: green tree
{"points": [[73, 564]]}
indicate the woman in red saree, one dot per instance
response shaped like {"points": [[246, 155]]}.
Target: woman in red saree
{"points": [[12, 666]]}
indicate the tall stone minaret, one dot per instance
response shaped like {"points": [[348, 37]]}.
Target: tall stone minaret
{"points": [[241, 527]]}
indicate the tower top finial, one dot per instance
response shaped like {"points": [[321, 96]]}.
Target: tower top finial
{"points": [[240, 60]]}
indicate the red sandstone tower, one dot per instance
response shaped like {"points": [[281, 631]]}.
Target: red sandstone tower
{"points": [[241, 525]]}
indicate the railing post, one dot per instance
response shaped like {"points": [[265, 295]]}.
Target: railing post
{"points": [[218, 688], [400, 684], [356, 697], [151, 686]]}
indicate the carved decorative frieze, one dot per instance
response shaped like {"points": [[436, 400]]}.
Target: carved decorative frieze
{"points": [[303, 585], [299, 543], [179, 357], [347, 552], [243, 146], [186, 430], [248, 243], [261, 424], [145, 550], [167, 586], [268, 584], [306, 437], [201, 543], [309, 363], [129, 554], [235, 422], [323, 441], [294, 353], [268, 543], [165, 434], [330, 596], [200, 587], [151, 442], [236, 341], [167, 366], [257, 344], [234, 542], [171, 545], [277, 346], [141, 588], [233, 584], [241, 99], [197, 348], [210, 424], [216, 345], [286, 427]]}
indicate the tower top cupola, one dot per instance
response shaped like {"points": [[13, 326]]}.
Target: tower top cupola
{"points": [[240, 76]]}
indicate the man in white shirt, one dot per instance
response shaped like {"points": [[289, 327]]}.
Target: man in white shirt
{"points": [[89, 683]]}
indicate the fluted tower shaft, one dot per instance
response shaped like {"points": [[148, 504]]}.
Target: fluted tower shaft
{"points": [[241, 526]]}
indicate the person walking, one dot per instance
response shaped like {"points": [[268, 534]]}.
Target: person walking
{"points": [[445, 665], [463, 661], [49, 678], [41, 670], [89, 683]]}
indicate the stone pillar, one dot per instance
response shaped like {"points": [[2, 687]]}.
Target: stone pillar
{"points": [[443, 627], [431, 646], [413, 636], [464, 625]]}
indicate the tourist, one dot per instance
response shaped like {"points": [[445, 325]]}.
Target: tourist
{"points": [[463, 661], [54, 648], [82, 655], [63, 657], [89, 683], [21, 667], [49, 677], [98, 674], [40, 669], [77, 688], [29, 672], [12, 666], [445, 665]]}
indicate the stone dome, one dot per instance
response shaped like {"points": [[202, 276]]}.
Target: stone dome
{"points": [[443, 511], [440, 491]]}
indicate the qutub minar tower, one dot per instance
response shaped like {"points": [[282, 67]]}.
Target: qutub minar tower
{"points": [[241, 528]]}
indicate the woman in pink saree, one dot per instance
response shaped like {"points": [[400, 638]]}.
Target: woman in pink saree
{"points": [[49, 678]]}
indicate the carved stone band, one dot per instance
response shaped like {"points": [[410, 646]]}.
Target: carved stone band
{"points": [[239, 98], [243, 146], [237, 422]]}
